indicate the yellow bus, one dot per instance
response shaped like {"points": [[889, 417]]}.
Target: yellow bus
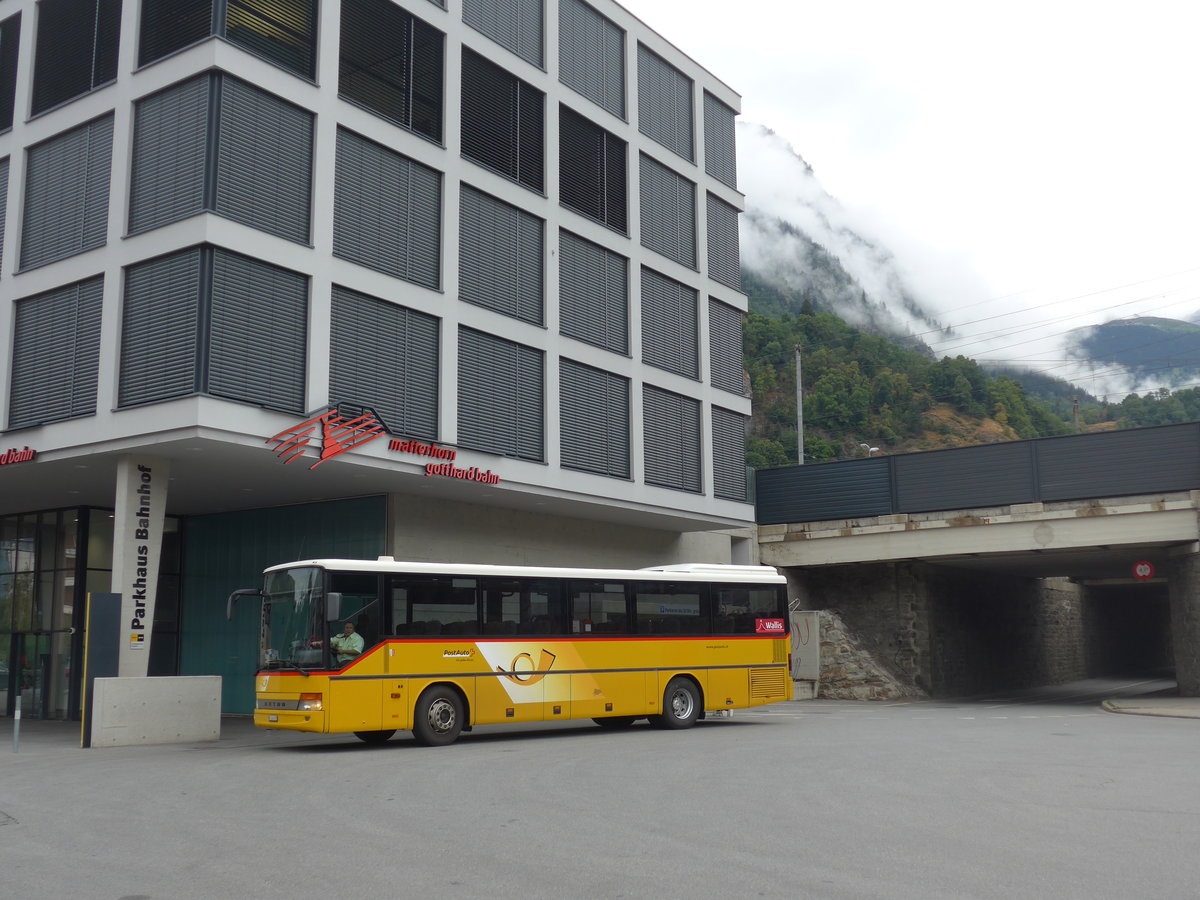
{"points": [[446, 647]]}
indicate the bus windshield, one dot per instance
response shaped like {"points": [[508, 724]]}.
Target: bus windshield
{"points": [[293, 619]]}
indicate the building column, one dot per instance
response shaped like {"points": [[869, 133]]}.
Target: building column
{"points": [[139, 510], [1184, 593]]}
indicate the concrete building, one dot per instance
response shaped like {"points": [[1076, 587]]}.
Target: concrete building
{"points": [[281, 279]]}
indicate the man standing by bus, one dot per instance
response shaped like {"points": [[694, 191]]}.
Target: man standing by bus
{"points": [[347, 645]]}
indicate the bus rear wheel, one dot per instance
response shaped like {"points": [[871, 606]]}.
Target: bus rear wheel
{"points": [[438, 718], [374, 737], [681, 704]]}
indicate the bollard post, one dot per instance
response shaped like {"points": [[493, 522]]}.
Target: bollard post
{"points": [[17, 725]]}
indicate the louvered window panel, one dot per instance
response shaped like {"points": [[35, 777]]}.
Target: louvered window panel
{"points": [[724, 250], [56, 354], [257, 332], [76, 49], [161, 347], [281, 31], [665, 104], [66, 194], [514, 24], [170, 148], [729, 454], [720, 156], [170, 25], [669, 325], [501, 400], [671, 425], [668, 207], [593, 420], [264, 161], [593, 293], [10, 46], [725, 347], [387, 211], [591, 55], [592, 173], [391, 63], [385, 356], [209, 321], [255, 167], [500, 260], [3, 206], [502, 121]]}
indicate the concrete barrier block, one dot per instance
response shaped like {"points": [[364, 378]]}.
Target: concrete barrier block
{"points": [[128, 712], [804, 690]]}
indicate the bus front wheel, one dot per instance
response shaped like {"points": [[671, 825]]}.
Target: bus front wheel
{"points": [[681, 704], [438, 718]]}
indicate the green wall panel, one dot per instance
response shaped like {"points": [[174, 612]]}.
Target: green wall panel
{"points": [[227, 551]]}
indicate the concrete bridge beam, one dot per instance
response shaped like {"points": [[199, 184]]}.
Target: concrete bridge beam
{"points": [[1019, 528]]}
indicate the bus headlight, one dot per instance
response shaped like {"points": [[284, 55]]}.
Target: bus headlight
{"points": [[310, 702]]}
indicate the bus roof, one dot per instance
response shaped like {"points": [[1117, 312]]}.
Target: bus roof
{"points": [[679, 572]]}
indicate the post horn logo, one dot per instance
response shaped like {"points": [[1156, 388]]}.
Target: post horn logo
{"points": [[522, 670], [337, 430]]}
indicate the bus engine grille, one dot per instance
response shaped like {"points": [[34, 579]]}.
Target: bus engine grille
{"points": [[766, 683]]}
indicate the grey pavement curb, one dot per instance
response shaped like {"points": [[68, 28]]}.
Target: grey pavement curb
{"points": [[1171, 707]]}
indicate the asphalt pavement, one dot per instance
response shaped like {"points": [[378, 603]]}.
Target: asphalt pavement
{"points": [[1007, 788], [1138, 698]]}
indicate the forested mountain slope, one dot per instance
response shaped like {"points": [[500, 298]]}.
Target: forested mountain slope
{"points": [[871, 385]]}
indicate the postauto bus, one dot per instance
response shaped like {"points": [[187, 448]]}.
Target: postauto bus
{"points": [[446, 647]]}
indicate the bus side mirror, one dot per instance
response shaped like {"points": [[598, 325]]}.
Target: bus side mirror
{"points": [[333, 606], [233, 599]]}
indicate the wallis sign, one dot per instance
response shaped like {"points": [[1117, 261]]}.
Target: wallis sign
{"points": [[343, 428]]}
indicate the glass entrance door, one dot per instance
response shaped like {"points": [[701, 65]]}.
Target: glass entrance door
{"points": [[39, 674], [37, 612], [27, 683]]}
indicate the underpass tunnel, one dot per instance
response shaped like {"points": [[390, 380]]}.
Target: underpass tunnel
{"points": [[1127, 630], [964, 630]]}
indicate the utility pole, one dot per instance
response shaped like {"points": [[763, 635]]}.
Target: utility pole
{"points": [[799, 410], [1075, 412]]}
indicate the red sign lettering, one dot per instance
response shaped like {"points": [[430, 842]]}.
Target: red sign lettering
{"points": [[338, 432], [420, 449], [471, 474], [10, 457]]}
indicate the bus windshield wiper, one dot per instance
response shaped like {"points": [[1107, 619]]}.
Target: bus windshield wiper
{"points": [[288, 664]]}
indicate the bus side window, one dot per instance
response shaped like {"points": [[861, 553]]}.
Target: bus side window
{"points": [[670, 608], [739, 607], [360, 604], [522, 606], [599, 607]]}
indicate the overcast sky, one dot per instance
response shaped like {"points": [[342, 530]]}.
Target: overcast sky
{"points": [[1033, 161]]}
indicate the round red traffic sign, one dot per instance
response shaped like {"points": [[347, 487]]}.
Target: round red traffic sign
{"points": [[1143, 571]]}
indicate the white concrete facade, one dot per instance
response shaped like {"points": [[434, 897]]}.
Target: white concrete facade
{"points": [[216, 448]]}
